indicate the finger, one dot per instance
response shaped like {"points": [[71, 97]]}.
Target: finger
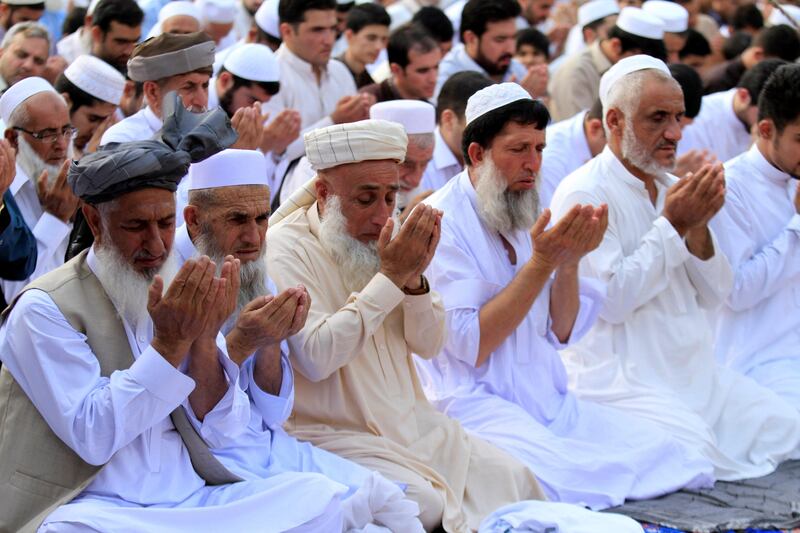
{"points": [[257, 303], [206, 281], [566, 221], [61, 180], [540, 224], [41, 184], [193, 280], [179, 283], [386, 234], [154, 292]]}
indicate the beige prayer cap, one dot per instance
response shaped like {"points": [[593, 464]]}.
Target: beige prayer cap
{"points": [[341, 144], [169, 55]]}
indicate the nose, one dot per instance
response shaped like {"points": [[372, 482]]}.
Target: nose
{"points": [[250, 235], [381, 213], [152, 243], [533, 162], [673, 131]]}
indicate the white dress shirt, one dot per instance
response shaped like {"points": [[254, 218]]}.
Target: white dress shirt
{"points": [[716, 129], [75, 44], [759, 230], [653, 336], [458, 60], [52, 234], [565, 151], [518, 399], [140, 126], [442, 167]]}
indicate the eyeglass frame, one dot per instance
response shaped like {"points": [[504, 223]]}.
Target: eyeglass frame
{"points": [[71, 130]]}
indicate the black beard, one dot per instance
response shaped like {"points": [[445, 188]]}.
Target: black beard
{"points": [[491, 68], [226, 102]]}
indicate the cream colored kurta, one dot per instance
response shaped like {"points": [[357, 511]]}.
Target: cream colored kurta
{"points": [[358, 395]]}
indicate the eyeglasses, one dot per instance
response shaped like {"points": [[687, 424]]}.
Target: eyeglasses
{"points": [[49, 136]]}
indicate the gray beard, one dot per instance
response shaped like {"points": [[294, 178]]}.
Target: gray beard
{"points": [[501, 209], [636, 155], [33, 165], [357, 262], [126, 287]]}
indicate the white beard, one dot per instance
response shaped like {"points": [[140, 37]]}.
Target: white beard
{"points": [[499, 208], [33, 165], [128, 288], [636, 155], [358, 262]]}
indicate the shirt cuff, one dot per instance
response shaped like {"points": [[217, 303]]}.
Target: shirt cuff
{"points": [[160, 378], [274, 410], [384, 293], [675, 249], [794, 223], [417, 303], [51, 230]]}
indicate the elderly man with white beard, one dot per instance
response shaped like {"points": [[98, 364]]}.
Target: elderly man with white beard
{"points": [[513, 297], [358, 394], [109, 412], [38, 127], [651, 350], [227, 216]]}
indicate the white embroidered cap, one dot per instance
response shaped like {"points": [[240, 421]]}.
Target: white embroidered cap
{"points": [[218, 11], [596, 10], [626, 66], [365, 140], [636, 21], [21, 91], [254, 62], [96, 77], [493, 97], [674, 16], [415, 116], [267, 18], [229, 168]]}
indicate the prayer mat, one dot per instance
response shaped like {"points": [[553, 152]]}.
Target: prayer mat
{"points": [[766, 504]]}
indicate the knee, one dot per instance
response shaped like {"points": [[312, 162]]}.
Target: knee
{"points": [[431, 503]]}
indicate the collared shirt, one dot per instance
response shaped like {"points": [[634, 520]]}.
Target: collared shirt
{"points": [[75, 44], [140, 126], [300, 90], [52, 234], [17, 243], [566, 150], [716, 129], [458, 60], [361, 80], [442, 167], [576, 84], [759, 231]]}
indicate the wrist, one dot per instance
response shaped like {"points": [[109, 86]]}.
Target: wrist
{"points": [[237, 349], [419, 288], [540, 265], [172, 350], [398, 279]]}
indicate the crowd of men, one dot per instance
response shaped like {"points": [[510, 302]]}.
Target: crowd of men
{"points": [[319, 265]]}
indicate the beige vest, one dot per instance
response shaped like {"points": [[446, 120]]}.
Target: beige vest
{"points": [[38, 472]]}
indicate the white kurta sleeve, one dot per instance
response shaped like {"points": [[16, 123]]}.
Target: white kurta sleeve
{"points": [[712, 278], [93, 415], [50, 233], [591, 297], [424, 324], [274, 410]]}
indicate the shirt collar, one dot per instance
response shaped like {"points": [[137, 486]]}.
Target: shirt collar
{"points": [[443, 157], [764, 167], [19, 180], [599, 58], [183, 243], [617, 170], [297, 64], [581, 144], [152, 120]]}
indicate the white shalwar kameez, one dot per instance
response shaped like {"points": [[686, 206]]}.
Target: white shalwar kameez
{"points": [[758, 229], [651, 350], [140, 126], [566, 150], [52, 234], [442, 167], [458, 60], [518, 400], [716, 129], [148, 482], [264, 449]]}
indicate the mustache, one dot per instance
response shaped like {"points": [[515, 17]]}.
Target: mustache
{"points": [[664, 143]]}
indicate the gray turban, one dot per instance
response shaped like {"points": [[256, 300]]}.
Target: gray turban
{"points": [[119, 168]]}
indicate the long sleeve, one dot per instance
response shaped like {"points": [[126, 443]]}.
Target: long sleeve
{"points": [[17, 243], [591, 297], [274, 410], [424, 324], [95, 416], [712, 278]]}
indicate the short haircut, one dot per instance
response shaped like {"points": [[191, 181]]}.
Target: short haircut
{"points": [[691, 85], [536, 39], [477, 14], [747, 16], [73, 21], [406, 38], [294, 11], [457, 90], [596, 111], [125, 12], [779, 100], [262, 37], [436, 22], [755, 78], [736, 44], [270, 87], [364, 15], [630, 43], [593, 25], [36, 7], [485, 128], [77, 96], [28, 30], [696, 45], [780, 41]]}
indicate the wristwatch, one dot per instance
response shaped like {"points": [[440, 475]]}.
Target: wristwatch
{"points": [[424, 289]]}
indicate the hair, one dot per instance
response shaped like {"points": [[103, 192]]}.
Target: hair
{"points": [[781, 41], [631, 43], [754, 79], [436, 22], [596, 111], [77, 96], [747, 16], [423, 141], [626, 94], [294, 11], [266, 39], [696, 45], [536, 39], [270, 87], [779, 100], [29, 30], [364, 15], [485, 128], [125, 12], [406, 38], [736, 44], [691, 85], [477, 14], [457, 90], [73, 21], [593, 25]]}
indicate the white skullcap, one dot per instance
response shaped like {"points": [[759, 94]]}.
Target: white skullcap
{"points": [[21, 2], [92, 7], [492, 97], [674, 16], [267, 18], [229, 168], [626, 66], [218, 11], [21, 91], [415, 116], [254, 62], [94, 76], [638, 22], [365, 140], [596, 10], [179, 7], [776, 17]]}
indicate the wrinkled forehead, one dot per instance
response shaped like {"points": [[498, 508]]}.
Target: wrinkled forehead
{"points": [[364, 175], [662, 93], [143, 205]]}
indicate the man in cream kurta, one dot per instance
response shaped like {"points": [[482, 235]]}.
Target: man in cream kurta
{"points": [[759, 231], [664, 273]]}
